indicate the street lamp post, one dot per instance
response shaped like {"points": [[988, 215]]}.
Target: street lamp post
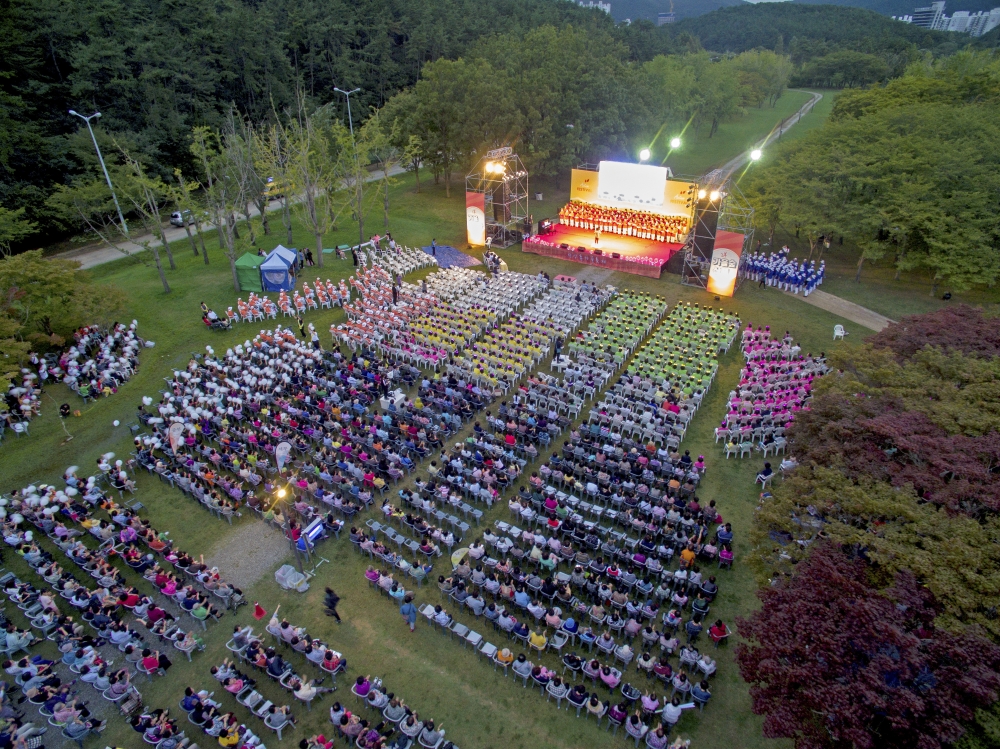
{"points": [[357, 166], [94, 116]]}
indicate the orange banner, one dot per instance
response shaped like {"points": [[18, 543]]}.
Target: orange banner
{"points": [[725, 263], [583, 185], [475, 218]]}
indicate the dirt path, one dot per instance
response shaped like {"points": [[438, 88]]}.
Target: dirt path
{"points": [[250, 553]]}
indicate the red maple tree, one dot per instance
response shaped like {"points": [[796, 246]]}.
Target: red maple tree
{"points": [[961, 328], [834, 664]]}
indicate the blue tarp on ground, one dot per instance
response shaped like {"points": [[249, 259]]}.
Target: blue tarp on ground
{"points": [[275, 273], [448, 257]]}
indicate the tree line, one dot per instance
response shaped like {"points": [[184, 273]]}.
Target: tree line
{"points": [[877, 556], [561, 101], [909, 172], [156, 71]]}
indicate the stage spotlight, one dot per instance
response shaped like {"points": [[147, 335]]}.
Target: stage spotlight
{"points": [[714, 195], [281, 493], [755, 154], [644, 154], [675, 142], [701, 194]]}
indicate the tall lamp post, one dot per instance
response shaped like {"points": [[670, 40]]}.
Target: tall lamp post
{"points": [[357, 166], [94, 116]]}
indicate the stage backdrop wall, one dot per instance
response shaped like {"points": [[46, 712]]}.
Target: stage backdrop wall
{"points": [[588, 187], [725, 262], [475, 218]]}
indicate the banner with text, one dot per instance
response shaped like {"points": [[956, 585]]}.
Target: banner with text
{"points": [[475, 218], [676, 197], [725, 263], [583, 185]]}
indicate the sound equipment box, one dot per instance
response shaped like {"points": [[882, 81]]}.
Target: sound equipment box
{"points": [[581, 249], [598, 252], [564, 246], [615, 255]]}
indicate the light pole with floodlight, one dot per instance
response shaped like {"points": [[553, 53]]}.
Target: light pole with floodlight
{"points": [[357, 166], [644, 154], [94, 116]]}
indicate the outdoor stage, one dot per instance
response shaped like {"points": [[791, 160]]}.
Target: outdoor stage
{"points": [[643, 257]]}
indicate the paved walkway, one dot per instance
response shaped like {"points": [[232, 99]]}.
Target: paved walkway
{"points": [[733, 164], [98, 254], [857, 314]]}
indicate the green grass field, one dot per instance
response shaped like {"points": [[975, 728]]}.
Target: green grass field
{"points": [[436, 676], [699, 153]]}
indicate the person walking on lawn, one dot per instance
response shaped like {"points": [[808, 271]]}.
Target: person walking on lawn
{"points": [[409, 611], [330, 604]]}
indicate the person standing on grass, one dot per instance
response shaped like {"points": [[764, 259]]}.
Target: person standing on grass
{"points": [[409, 611], [434, 247], [302, 327], [330, 603]]}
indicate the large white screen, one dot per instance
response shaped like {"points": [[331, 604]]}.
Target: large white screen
{"points": [[631, 184]]}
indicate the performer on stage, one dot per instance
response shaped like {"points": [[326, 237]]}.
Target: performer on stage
{"points": [[597, 236]]}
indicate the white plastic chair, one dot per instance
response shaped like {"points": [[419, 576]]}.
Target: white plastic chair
{"points": [[839, 332]]}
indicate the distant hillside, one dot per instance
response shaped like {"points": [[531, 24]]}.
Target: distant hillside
{"points": [[649, 9], [637, 9], [905, 7], [747, 26]]}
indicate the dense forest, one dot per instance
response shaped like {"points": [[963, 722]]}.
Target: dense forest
{"points": [[818, 29], [157, 70], [905, 7], [909, 172], [649, 9]]}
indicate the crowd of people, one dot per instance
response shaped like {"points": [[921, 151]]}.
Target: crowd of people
{"points": [[603, 521], [777, 270], [96, 364], [775, 383], [625, 221]]}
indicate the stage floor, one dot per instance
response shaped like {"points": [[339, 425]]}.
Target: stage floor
{"points": [[626, 246]]}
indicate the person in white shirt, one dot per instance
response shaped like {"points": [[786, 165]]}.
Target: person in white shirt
{"points": [[672, 711], [441, 616]]}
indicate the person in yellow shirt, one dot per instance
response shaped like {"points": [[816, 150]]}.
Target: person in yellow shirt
{"points": [[687, 556], [538, 640]]}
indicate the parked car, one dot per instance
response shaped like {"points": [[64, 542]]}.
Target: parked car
{"points": [[179, 218]]}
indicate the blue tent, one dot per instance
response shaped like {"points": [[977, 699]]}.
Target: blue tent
{"points": [[275, 274], [292, 256]]}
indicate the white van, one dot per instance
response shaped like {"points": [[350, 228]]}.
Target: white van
{"points": [[179, 218]]}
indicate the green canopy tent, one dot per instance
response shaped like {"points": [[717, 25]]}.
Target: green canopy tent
{"points": [[248, 272]]}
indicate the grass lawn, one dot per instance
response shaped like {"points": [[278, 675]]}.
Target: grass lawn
{"points": [[699, 154], [440, 679], [878, 289], [815, 117]]}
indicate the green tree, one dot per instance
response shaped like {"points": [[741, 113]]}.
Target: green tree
{"points": [[320, 161], [13, 228], [182, 194], [49, 298], [381, 138]]}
